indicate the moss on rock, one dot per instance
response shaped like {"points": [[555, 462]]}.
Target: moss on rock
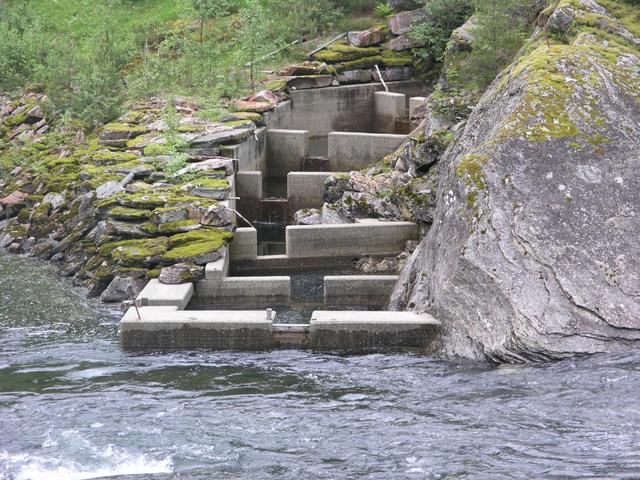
{"points": [[136, 253]]}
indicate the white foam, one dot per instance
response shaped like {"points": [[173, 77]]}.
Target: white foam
{"points": [[111, 463]]}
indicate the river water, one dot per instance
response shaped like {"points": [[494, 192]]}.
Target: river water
{"points": [[74, 406]]}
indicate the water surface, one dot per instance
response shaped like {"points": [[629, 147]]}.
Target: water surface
{"points": [[74, 406]]}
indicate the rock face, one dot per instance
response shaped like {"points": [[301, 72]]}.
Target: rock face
{"points": [[533, 252]]}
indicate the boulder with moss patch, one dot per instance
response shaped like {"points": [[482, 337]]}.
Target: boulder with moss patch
{"points": [[537, 202]]}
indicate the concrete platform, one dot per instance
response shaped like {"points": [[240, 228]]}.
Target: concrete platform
{"points": [[157, 294], [357, 332], [352, 239], [248, 292], [369, 290], [167, 328]]}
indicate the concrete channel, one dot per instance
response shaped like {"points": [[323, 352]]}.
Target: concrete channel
{"points": [[343, 128]]}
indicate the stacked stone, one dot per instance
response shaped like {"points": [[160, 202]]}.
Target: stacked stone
{"points": [[113, 211]]}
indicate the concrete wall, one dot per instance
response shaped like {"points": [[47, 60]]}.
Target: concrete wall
{"points": [[347, 108], [244, 245], [251, 153], [245, 292], [166, 328], [366, 332], [304, 189], [353, 239], [389, 109], [354, 151], [285, 151], [157, 294], [249, 191], [363, 290]]}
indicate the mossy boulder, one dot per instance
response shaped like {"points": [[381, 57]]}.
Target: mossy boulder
{"points": [[343, 52], [534, 202], [124, 213], [199, 247], [136, 253], [181, 273]]}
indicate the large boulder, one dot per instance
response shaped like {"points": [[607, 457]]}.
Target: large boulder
{"points": [[534, 251]]}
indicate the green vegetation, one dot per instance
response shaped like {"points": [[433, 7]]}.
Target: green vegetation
{"points": [[90, 56]]}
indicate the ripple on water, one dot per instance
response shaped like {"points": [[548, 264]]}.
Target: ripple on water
{"points": [[74, 406]]}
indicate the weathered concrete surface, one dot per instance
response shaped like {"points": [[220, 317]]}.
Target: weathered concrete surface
{"points": [[244, 245], [289, 336], [389, 109], [370, 290], [367, 332], [251, 153], [534, 250], [354, 151], [247, 292], [348, 108], [305, 189], [216, 271], [156, 294], [166, 328], [349, 239], [285, 151]]}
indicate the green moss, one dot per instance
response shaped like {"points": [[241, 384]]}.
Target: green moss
{"points": [[107, 157], [155, 149], [136, 252], [276, 85], [343, 52], [123, 213], [365, 62], [211, 183], [238, 123], [191, 245], [470, 171], [150, 228], [178, 227], [189, 128], [116, 127], [153, 274], [392, 58]]}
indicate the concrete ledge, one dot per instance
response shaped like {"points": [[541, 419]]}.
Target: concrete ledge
{"points": [[157, 294], [353, 239], [244, 245], [389, 108], [304, 189], [245, 291], [249, 185], [370, 290], [354, 151], [285, 151], [163, 328], [366, 332], [219, 269]]}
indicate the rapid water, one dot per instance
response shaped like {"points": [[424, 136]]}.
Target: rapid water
{"points": [[74, 406]]}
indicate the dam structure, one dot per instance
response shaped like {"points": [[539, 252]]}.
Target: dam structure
{"points": [[280, 285]]}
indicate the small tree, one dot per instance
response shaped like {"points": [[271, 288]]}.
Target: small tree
{"points": [[253, 40], [206, 9]]}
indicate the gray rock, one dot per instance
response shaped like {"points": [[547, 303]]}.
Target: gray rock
{"points": [[181, 273], [400, 23], [403, 42], [533, 252], [223, 137], [366, 38], [394, 74], [168, 215], [121, 289], [56, 200], [354, 76], [109, 189], [313, 81], [215, 216]]}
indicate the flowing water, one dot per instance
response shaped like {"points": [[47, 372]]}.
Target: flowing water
{"points": [[74, 406]]}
